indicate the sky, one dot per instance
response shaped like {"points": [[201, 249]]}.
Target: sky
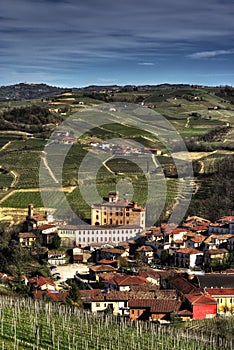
{"points": [[75, 43]]}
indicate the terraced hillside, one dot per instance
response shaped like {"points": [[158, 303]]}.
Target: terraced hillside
{"points": [[201, 115]]}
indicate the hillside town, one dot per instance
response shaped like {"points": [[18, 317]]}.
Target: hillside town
{"points": [[161, 273]]}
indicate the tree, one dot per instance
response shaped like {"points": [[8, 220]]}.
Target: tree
{"points": [[56, 242]]}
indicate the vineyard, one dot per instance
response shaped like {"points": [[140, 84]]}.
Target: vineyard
{"points": [[28, 324]]}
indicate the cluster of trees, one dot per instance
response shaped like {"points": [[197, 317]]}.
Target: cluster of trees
{"points": [[34, 119], [215, 197]]}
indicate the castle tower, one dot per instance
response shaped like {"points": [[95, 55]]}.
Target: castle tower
{"points": [[30, 211], [113, 196]]}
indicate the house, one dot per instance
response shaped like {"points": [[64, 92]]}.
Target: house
{"points": [[48, 231], [224, 298], [124, 283], [195, 242], [80, 255], [57, 257], [151, 276], [188, 257], [201, 305], [27, 239], [145, 253], [177, 235], [53, 295], [216, 241], [41, 283], [153, 309], [214, 255], [100, 269], [33, 221]]}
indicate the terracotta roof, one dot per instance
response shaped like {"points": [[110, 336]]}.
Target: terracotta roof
{"points": [[156, 306], [199, 228], [216, 251], [145, 248], [198, 239], [179, 241], [27, 235], [179, 230], [54, 295], [185, 313], [149, 273], [107, 262], [113, 250], [130, 280], [88, 294], [46, 227], [220, 291], [189, 251], [200, 299], [225, 236], [182, 285], [41, 281], [102, 268]]}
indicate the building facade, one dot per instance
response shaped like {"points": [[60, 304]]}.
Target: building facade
{"points": [[117, 212]]}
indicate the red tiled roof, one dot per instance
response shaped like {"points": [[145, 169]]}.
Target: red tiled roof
{"points": [[216, 251], [156, 306], [102, 268], [27, 235], [130, 280], [145, 248], [179, 230], [220, 291], [54, 295], [106, 261], [188, 251], [46, 226], [41, 281], [200, 299]]}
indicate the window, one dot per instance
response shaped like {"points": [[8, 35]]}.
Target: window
{"points": [[127, 214], [97, 217], [97, 304]]}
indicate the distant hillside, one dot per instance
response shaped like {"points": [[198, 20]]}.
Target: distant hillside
{"points": [[25, 91]]}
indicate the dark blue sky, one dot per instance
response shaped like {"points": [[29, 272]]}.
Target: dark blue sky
{"points": [[82, 42]]}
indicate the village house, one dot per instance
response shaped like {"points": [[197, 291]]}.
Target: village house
{"points": [[201, 305], [188, 257], [41, 283], [124, 283], [224, 298], [145, 253], [27, 239], [153, 309], [96, 270], [217, 255], [195, 242]]}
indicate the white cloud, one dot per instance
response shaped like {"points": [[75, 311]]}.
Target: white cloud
{"points": [[210, 54], [146, 64]]}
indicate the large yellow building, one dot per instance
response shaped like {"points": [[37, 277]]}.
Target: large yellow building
{"points": [[117, 212]]}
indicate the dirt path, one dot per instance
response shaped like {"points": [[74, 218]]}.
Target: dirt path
{"points": [[106, 166], [44, 159], [187, 122], [6, 145]]}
